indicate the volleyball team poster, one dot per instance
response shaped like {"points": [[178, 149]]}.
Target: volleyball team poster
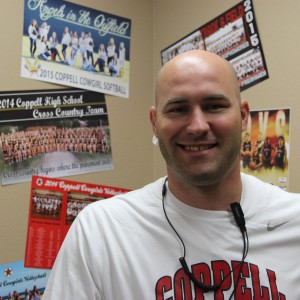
{"points": [[17, 281], [54, 204], [266, 145], [234, 36], [76, 46], [53, 133]]}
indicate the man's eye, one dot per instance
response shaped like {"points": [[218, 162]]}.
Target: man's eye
{"points": [[178, 110], [214, 107]]}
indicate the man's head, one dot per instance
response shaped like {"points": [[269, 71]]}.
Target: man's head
{"points": [[281, 140], [247, 137], [198, 117]]}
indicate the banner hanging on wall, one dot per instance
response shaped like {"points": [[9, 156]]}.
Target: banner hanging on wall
{"points": [[265, 146], [76, 46], [232, 35], [53, 133], [54, 204]]}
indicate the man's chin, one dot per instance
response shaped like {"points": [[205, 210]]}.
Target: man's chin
{"points": [[200, 178]]}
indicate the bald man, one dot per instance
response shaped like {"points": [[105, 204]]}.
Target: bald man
{"points": [[204, 231]]}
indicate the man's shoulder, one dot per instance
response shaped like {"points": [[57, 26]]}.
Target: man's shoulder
{"points": [[146, 195], [268, 200]]}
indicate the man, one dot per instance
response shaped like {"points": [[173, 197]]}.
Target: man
{"points": [[256, 158], [280, 155], [177, 238], [259, 142], [267, 153], [246, 151]]}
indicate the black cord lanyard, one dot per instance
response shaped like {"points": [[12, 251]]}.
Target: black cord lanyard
{"points": [[239, 218]]}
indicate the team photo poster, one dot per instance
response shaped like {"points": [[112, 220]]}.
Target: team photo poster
{"points": [[76, 46], [265, 146], [54, 205], [18, 282], [53, 133], [232, 35]]}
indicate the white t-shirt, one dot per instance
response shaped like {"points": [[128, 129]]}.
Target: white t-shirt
{"points": [[111, 49], [66, 38], [89, 44], [33, 32], [123, 248]]}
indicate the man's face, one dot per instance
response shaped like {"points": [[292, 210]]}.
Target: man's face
{"points": [[198, 121], [259, 137], [280, 142]]}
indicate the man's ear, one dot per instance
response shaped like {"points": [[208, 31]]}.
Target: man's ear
{"points": [[245, 112], [153, 120]]}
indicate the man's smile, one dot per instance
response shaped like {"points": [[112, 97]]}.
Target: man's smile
{"points": [[195, 148]]}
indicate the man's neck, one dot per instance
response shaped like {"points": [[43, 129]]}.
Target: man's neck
{"points": [[216, 196]]}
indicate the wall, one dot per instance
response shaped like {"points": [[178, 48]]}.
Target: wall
{"points": [[155, 25], [129, 121], [278, 24]]}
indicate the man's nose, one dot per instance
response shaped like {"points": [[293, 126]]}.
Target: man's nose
{"points": [[197, 122]]}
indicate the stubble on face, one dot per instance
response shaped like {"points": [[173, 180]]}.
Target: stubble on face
{"points": [[200, 173]]}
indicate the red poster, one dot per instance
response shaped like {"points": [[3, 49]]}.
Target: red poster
{"points": [[54, 204]]}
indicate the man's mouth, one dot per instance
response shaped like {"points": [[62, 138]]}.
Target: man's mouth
{"points": [[198, 148]]}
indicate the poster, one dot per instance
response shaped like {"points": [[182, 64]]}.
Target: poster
{"points": [[76, 46], [265, 146], [16, 280], [54, 204], [232, 35], [53, 133]]}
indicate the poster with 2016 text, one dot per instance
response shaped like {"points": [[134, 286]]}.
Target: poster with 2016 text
{"points": [[234, 36]]}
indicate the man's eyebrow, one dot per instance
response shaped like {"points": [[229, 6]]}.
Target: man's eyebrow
{"points": [[216, 97], [173, 101], [176, 100], [206, 98]]}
